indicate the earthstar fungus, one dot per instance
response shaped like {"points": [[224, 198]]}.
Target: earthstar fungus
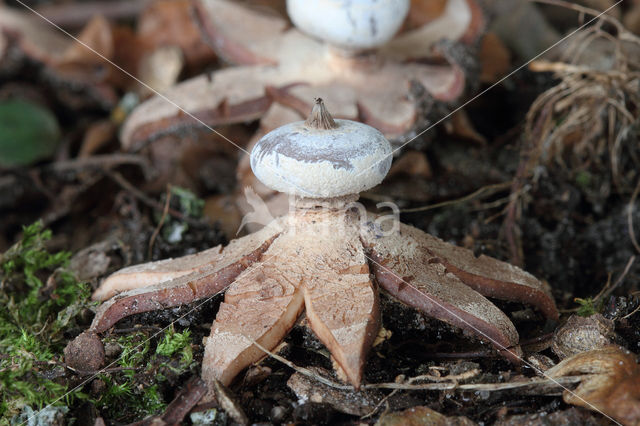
{"points": [[343, 51], [327, 259]]}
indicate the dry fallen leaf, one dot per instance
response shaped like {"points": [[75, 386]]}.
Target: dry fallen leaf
{"points": [[170, 23], [159, 69], [495, 58], [613, 386], [421, 416], [26, 39], [98, 36], [99, 134], [412, 163], [422, 12], [459, 125]]}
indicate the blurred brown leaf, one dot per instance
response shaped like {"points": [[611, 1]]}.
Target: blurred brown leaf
{"points": [[631, 19], [35, 37], [460, 126], [421, 416], [159, 69], [495, 58], [422, 12], [613, 386], [412, 163], [98, 36], [170, 23], [97, 136]]}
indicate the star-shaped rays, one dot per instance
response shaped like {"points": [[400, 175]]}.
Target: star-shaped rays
{"points": [[327, 263]]}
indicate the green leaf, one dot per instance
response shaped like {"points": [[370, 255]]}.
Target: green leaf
{"points": [[28, 133]]}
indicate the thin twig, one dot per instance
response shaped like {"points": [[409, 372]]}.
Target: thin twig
{"points": [[632, 202], [622, 31], [492, 189], [302, 370], [156, 231], [620, 278], [103, 370], [125, 184], [632, 312], [489, 387], [106, 161]]}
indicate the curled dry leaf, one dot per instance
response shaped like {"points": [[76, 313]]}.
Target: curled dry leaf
{"points": [[421, 416], [26, 37], [580, 334], [65, 63], [371, 88], [169, 23], [98, 36], [613, 384], [412, 163], [495, 58], [32, 36], [165, 32], [160, 69]]}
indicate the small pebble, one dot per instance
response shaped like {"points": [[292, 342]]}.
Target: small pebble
{"points": [[85, 352]]}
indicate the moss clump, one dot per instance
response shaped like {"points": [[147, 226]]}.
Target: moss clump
{"points": [[175, 342], [588, 306], [40, 299], [138, 389]]}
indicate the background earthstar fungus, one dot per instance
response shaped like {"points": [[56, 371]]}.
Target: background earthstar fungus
{"points": [[271, 57], [277, 68], [327, 259]]}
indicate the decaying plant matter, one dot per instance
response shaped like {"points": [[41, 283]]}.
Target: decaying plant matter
{"points": [[327, 259], [586, 122], [611, 385], [585, 127], [275, 61], [25, 41]]}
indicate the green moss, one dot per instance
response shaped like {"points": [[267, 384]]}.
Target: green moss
{"points": [[41, 300], [174, 342], [135, 391], [32, 322], [128, 395], [588, 306]]}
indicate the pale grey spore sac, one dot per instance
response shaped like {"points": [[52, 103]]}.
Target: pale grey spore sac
{"points": [[291, 149]]}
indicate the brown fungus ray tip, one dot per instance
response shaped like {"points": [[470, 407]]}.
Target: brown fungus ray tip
{"points": [[319, 118]]}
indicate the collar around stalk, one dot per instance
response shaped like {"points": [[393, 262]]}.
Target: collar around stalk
{"points": [[322, 157]]}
